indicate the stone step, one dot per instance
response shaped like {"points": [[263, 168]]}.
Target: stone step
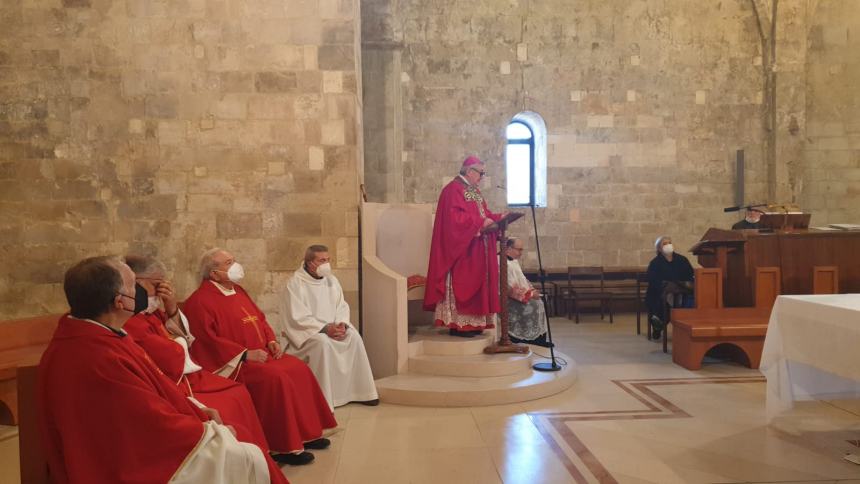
{"points": [[442, 344], [452, 391], [471, 365]]}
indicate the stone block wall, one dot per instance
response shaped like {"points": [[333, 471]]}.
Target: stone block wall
{"points": [[831, 169], [645, 102], [166, 127]]}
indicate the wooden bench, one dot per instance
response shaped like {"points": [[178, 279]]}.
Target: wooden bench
{"points": [[22, 342], [734, 333]]}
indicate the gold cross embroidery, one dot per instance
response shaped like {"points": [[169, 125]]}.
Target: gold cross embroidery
{"points": [[251, 319]]}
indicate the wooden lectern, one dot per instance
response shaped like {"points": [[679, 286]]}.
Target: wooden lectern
{"points": [[796, 252], [504, 345]]}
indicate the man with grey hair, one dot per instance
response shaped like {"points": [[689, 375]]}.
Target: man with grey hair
{"points": [[525, 309], [234, 340], [318, 329]]}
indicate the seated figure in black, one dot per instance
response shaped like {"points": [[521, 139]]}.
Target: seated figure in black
{"points": [[752, 220], [670, 283]]}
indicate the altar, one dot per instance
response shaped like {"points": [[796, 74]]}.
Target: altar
{"points": [[812, 350]]}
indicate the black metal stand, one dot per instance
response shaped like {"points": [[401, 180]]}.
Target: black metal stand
{"points": [[552, 366]]}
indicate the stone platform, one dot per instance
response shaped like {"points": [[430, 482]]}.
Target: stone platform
{"points": [[448, 371]]}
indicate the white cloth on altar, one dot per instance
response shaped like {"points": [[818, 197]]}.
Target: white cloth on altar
{"points": [[341, 367], [219, 458], [810, 351]]}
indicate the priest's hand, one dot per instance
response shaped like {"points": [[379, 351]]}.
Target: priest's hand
{"points": [[336, 331], [213, 415], [164, 290], [275, 349], [260, 356]]}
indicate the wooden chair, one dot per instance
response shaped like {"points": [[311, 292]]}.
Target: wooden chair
{"points": [[825, 280], [585, 284], [629, 287]]}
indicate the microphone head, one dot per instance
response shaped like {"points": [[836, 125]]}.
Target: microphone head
{"points": [[731, 209]]}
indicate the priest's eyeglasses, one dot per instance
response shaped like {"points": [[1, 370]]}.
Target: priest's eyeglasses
{"points": [[482, 173]]}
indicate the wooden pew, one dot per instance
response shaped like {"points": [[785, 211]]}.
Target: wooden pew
{"points": [[22, 342], [825, 280], [34, 462], [735, 333]]}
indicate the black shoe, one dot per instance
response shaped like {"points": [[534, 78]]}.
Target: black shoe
{"points": [[299, 459], [318, 444], [462, 334], [370, 403]]}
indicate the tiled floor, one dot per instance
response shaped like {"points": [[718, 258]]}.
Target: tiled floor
{"points": [[632, 417]]}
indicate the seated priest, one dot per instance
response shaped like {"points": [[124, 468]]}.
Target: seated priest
{"points": [[670, 284], [751, 220], [526, 313], [318, 330], [162, 331], [106, 412], [234, 340]]}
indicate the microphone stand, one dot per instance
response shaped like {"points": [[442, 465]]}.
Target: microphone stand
{"points": [[552, 366]]}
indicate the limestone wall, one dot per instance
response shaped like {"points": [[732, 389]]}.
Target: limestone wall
{"points": [[169, 126], [831, 169], [646, 103]]}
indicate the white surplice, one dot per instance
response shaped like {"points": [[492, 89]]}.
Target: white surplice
{"points": [[341, 367], [221, 459]]}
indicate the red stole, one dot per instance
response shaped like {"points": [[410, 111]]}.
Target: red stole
{"points": [[471, 260], [108, 414]]}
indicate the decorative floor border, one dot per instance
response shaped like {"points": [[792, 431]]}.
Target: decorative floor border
{"points": [[655, 407]]}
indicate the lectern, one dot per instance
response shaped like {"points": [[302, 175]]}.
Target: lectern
{"points": [[504, 345]]}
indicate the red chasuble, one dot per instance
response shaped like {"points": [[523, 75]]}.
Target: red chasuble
{"points": [[108, 415], [285, 392], [230, 398], [471, 261]]}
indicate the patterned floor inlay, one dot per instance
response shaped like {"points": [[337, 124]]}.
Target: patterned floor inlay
{"points": [[582, 465]]}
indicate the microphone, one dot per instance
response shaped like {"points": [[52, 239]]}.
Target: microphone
{"points": [[743, 207]]}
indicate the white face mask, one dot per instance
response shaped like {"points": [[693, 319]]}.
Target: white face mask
{"points": [[324, 270], [153, 302], [668, 249], [236, 272]]}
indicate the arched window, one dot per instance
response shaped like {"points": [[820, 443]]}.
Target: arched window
{"points": [[525, 160]]}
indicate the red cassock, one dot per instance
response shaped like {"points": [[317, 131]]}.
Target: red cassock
{"points": [[108, 415], [229, 397], [472, 261], [285, 392]]}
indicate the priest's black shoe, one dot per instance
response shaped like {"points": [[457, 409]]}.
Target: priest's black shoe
{"points": [[370, 403], [299, 459], [318, 444]]}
